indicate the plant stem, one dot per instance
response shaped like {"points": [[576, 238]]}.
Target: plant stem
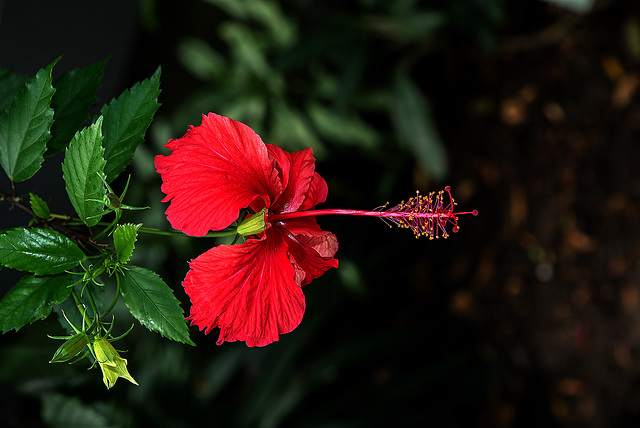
{"points": [[91, 301], [16, 200], [79, 305], [115, 299], [229, 231]]}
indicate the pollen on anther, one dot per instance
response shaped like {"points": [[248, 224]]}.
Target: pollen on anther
{"points": [[425, 215]]}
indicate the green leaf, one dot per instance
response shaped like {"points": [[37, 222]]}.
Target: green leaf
{"points": [[126, 120], [291, 129], [348, 129], [60, 411], [268, 14], [10, 84], [247, 49], [82, 170], [72, 102], [579, 6], [39, 251], [152, 302], [416, 25], [31, 299], [124, 239], [39, 206], [201, 59], [24, 127], [415, 128]]}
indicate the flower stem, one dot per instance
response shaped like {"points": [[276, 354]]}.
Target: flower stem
{"points": [[115, 299], [92, 302], [230, 231], [79, 304]]}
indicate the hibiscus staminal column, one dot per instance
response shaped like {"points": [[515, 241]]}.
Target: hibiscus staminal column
{"points": [[424, 215]]}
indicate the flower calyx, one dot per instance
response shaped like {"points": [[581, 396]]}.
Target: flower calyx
{"points": [[113, 366], [71, 348], [253, 224]]}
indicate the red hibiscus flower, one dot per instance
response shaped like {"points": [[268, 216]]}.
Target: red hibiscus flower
{"points": [[251, 291]]}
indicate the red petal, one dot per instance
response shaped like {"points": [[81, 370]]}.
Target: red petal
{"points": [[316, 194], [297, 170], [215, 169], [311, 250], [247, 290]]}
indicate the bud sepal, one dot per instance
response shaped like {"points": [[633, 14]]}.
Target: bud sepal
{"points": [[71, 348], [254, 224]]}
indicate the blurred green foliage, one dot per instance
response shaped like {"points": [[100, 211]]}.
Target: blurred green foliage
{"points": [[304, 74]]}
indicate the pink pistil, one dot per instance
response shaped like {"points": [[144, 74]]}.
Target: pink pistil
{"points": [[424, 215]]}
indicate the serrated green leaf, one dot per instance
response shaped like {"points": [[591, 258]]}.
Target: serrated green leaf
{"points": [[152, 302], [31, 299], [124, 239], [39, 206], [82, 170], [10, 84], [24, 127], [39, 251], [72, 102], [415, 128], [126, 120]]}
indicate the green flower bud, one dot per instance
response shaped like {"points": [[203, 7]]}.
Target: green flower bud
{"points": [[70, 348], [112, 201], [113, 366], [253, 225]]}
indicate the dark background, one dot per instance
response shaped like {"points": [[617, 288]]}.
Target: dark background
{"points": [[529, 316]]}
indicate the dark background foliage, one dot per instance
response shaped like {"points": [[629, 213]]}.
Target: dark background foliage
{"points": [[529, 316]]}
